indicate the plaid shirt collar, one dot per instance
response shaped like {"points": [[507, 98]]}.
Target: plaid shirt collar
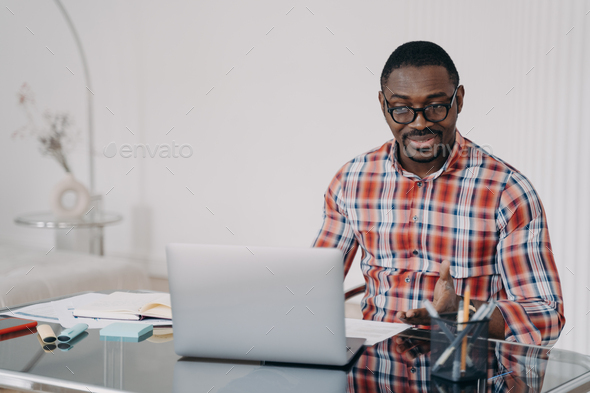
{"points": [[449, 165]]}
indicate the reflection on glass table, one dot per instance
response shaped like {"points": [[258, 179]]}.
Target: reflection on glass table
{"points": [[228, 377], [400, 364]]}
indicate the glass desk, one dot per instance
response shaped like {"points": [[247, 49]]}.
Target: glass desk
{"points": [[95, 221], [399, 364]]}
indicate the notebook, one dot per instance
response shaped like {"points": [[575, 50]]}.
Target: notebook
{"points": [[259, 303], [128, 306]]}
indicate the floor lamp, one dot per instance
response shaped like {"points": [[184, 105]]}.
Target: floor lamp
{"points": [[91, 236], [89, 95]]}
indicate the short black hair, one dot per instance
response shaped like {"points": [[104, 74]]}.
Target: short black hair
{"points": [[418, 54]]}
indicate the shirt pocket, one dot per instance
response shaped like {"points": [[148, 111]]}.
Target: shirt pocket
{"points": [[475, 242]]}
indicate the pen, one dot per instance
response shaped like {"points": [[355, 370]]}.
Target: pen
{"points": [[47, 347], [46, 333], [66, 346], [488, 310], [457, 362], [72, 332], [465, 319], [501, 375], [445, 355], [434, 314]]}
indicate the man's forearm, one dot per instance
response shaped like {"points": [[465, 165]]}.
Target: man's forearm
{"points": [[497, 322]]}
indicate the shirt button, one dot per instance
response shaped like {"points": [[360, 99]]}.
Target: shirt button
{"points": [[415, 218], [413, 370], [419, 184], [415, 252], [407, 279]]}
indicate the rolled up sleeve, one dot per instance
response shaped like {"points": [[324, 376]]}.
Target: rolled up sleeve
{"points": [[533, 310]]}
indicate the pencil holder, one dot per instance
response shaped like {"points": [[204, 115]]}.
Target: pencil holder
{"points": [[458, 350], [440, 385]]}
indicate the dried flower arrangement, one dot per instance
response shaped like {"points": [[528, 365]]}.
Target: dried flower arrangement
{"points": [[53, 130]]}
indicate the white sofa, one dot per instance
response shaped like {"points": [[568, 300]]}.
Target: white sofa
{"points": [[28, 275]]}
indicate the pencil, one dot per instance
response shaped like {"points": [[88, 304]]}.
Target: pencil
{"points": [[456, 373], [466, 301]]}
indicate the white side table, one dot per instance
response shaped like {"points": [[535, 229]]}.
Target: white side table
{"points": [[84, 234]]}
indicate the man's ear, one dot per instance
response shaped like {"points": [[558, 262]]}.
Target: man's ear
{"points": [[382, 102], [460, 96]]}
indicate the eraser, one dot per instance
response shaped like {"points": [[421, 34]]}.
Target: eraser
{"points": [[46, 333], [124, 331], [72, 332]]}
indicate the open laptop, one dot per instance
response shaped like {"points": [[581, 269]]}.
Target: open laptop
{"points": [[259, 303]]}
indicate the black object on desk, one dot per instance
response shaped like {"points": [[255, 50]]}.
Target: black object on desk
{"points": [[446, 351]]}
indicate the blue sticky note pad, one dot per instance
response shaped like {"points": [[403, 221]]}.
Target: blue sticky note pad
{"points": [[127, 332]]}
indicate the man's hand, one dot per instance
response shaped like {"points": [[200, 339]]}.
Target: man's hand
{"points": [[411, 348], [445, 299]]}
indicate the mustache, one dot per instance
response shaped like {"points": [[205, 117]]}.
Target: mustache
{"points": [[418, 133]]}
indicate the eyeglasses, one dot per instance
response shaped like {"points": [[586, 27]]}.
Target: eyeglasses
{"points": [[432, 113]]}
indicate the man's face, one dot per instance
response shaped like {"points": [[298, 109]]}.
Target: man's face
{"points": [[422, 142]]}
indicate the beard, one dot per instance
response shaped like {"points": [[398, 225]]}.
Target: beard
{"points": [[423, 159], [423, 155]]}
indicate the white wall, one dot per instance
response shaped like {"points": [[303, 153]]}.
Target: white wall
{"points": [[272, 132]]}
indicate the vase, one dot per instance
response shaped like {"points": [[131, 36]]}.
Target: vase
{"points": [[69, 184]]}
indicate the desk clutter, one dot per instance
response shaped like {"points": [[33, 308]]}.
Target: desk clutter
{"points": [[459, 345], [109, 356], [120, 316], [64, 341], [117, 331], [98, 310]]}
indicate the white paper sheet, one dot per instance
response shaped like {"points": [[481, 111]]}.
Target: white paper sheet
{"points": [[373, 331], [61, 312], [46, 312], [42, 312]]}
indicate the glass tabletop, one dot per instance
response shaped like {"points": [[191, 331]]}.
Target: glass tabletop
{"points": [[395, 365], [49, 220]]}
